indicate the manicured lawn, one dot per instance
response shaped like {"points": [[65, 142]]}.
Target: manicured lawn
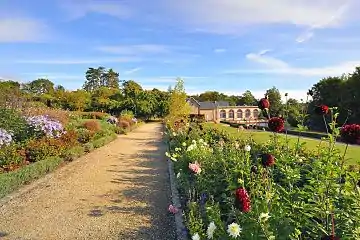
{"points": [[352, 155]]}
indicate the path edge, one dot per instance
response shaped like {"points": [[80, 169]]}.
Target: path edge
{"points": [[179, 220]]}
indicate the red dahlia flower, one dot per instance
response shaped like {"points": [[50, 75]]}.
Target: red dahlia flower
{"points": [[350, 133], [276, 124], [264, 103], [268, 160], [243, 199], [322, 109]]}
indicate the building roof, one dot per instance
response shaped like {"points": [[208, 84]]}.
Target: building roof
{"points": [[213, 105]]}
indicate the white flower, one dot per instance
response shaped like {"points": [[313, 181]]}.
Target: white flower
{"points": [[234, 230], [177, 149], [174, 134], [195, 237], [201, 140], [247, 148], [178, 175], [264, 217], [184, 144], [167, 154], [210, 230]]}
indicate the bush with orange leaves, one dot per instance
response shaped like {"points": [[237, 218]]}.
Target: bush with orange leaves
{"points": [[92, 125]]}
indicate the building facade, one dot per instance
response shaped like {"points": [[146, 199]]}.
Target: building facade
{"points": [[222, 111]]}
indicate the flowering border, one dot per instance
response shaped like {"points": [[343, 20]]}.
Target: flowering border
{"points": [[179, 220]]}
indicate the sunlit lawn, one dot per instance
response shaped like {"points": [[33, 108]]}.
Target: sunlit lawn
{"points": [[352, 154]]}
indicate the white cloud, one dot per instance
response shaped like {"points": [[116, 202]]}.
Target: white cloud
{"points": [[80, 61], [276, 66], [81, 8], [219, 50], [228, 16], [336, 18], [135, 49], [18, 29], [131, 71]]}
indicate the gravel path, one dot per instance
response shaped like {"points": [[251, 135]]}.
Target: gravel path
{"points": [[119, 191]]}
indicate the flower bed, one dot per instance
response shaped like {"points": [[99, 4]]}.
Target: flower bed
{"points": [[238, 189], [32, 145]]}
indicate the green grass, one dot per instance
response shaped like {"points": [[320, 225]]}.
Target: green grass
{"points": [[352, 154]]}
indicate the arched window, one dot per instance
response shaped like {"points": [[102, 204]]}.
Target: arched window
{"points": [[231, 113], [239, 114], [222, 114], [256, 113], [247, 113]]}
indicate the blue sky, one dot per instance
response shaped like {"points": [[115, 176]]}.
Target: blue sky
{"points": [[223, 45]]}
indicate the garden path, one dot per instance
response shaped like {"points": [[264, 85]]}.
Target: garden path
{"points": [[119, 191]]}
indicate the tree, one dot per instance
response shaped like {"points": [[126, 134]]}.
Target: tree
{"points": [[145, 104], [102, 99], [293, 112], [77, 100], [94, 79], [131, 90], [178, 107], [247, 99], [162, 102], [276, 105], [40, 86], [112, 79]]}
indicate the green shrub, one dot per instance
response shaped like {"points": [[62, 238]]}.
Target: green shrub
{"points": [[13, 122], [37, 150], [10, 155], [73, 153], [88, 147], [84, 135], [13, 180]]}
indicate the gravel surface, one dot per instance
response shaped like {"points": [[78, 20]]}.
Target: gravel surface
{"points": [[120, 191]]}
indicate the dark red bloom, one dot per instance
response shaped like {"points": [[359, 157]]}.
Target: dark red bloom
{"points": [[350, 133], [264, 103], [331, 237], [276, 124], [321, 109], [243, 199], [268, 160]]}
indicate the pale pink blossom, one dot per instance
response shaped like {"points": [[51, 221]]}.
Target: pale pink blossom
{"points": [[173, 209], [195, 167]]}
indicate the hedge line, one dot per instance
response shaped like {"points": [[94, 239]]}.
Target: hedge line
{"points": [[12, 181], [291, 132]]}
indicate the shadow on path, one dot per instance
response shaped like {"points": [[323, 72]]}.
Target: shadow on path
{"points": [[147, 192]]}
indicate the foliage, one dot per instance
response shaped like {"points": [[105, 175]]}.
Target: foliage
{"points": [[247, 99], [98, 77], [10, 155], [12, 122], [11, 181], [274, 97], [84, 135], [92, 125], [40, 86], [179, 109], [271, 190]]}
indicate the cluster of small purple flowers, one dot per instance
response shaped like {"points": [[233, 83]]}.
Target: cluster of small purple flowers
{"points": [[112, 120], [45, 125], [5, 138], [134, 120]]}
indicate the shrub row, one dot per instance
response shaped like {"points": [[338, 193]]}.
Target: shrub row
{"points": [[11, 181]]}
